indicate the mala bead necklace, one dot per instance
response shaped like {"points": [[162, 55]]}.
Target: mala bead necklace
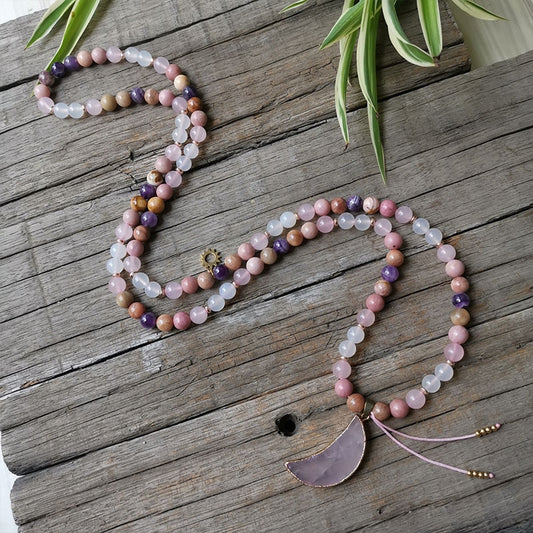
{"points": [[339, 460]]}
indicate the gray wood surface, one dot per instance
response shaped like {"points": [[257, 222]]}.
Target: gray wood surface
{"points": [[118, 429]]}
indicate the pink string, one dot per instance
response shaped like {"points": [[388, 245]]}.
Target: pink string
{"points": [[445, 439]]}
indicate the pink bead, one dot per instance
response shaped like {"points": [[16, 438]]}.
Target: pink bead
{"points": [[375, 303], [173, 178], [165, 97], [160, 65], [259, 241], [131, 217], [246, 251], [459, 284], [173, 290], [84, 58], [306, 212], [342, 369], [41, 91], [366, 317], [99, 56], [255, 266], [415, 399], [189, 284], [454, 268], [387, 208], [135, 248], [241, 276], [179, 105], [172, 71], [163, 164], [198, 118], [198, 315], [93, 107], [117, 285], [114, 54], [164, 191], [382, 226], [172, 152], [403, 214], [197, 134], [325, 224], [399, 408], [124, 231], [322, 207], [343, 388], [445, 253], [458, 334], [132, 264], [309, 230], [393, 241], [181, 320], [45, 104], [454, 352]]}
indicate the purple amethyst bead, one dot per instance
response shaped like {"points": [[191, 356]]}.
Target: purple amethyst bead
{"points": [[149, 219], [46, 78], [71, 63], [220, 272], [148, 320], [137, 95], [189, 92], [281, 246], [147, 191], [354, 203], [461, 300], [58, 70], [390, 273]]}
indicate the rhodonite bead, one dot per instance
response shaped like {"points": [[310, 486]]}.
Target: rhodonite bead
{"points": [[198, 118], [84, 58], [459, 284], [399, 408], [255, 266], [387, 208], [165, 97], [343, 388], [322, 207], [458, 334], [135, 248], [189, 284], [41, 91], [98, 55], [454, 268], [309, 230], [172, 71], [245, 251], [375, 303], [181, 320], [164, 191], [393, 241], [163, 164]]}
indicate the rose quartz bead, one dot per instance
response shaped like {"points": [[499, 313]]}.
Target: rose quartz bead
{"points": [[393, 241], [454, 352], [259, 241], [322, 207], [189, 284], [306, 212], [365, 317], [132, 264], [179, 105], [255, 266], [45, 105], [246, 251], [198, 315], [309, 230], [99, 56], [198, 134], [131, 217], [124, 231], [173, 178], [117, 285], [172, 152], [399, 408], [165, 97], [415, 399], [181, 320], [459, 284], [114, 54], [375, 303], [343, 388], [325, 224], [387, 208], [198, 118], [164, 191], [93, 107], [161, 64], [84, 58], [173, 290], [454, 268], [458, 334], [172, 71], [241, 276], [382, 287], [163, 164], [135, 248], [382, 226], [342, 369], [41, 91], [403, 214], [446, 253]]}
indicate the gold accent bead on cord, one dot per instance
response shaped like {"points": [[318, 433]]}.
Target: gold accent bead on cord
{"points": [[486, 430]]}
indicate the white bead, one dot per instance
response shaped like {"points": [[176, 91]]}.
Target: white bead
{"points": [[288, 219], [215, 302], [182, 121], [76, 110], [420, 226], [191, 150], [356, 334], [114, 265], [131, 54], [431, 383], [140, 280], [144, 58], [184, 163], [346, 221], [434, 236], [61, 110], [444, 372], [362, 222], [118, 250], [153, 289], [275, 228], [179, 135], [382, 226], [227, 291], [347, 348]]}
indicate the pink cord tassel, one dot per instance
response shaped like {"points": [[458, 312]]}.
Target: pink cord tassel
{"points": [[473, 473]]}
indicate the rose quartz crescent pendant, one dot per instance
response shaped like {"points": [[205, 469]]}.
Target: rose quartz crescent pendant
{"points": [[336, 463]]}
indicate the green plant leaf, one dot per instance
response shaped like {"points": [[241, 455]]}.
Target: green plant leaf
{"points": [[399, 40], [477, 11], [294, 5], [79, 18], [50, 19], [375, 136], [348, 22], [429, 16]]}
